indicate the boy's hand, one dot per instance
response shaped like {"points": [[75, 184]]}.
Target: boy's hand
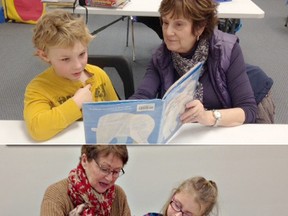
{"points": [[83, 95]]}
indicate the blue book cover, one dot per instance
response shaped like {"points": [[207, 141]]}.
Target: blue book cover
{"points": [[152, 121]]}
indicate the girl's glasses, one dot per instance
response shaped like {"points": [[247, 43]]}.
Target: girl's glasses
{"points": [[176, 207]]}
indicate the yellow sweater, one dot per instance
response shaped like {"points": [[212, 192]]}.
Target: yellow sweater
{"points": [[56, 201], [48, 107]]}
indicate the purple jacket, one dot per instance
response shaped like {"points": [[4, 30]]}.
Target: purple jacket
{"points": [[225, 82]]}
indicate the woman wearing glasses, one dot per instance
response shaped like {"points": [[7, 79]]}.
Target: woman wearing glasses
{"points": [[194, 197], [90, 188]]}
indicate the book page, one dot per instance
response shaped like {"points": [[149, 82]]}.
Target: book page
{"points": [[183, 78], [175, 100]]}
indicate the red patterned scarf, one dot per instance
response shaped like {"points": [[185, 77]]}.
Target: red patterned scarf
{"points": [[80, 191]]}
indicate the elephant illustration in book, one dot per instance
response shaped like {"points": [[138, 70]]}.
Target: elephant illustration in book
{"points": [[124, 128]]}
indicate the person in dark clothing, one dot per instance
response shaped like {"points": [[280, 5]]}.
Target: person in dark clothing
{"points": [[224, 96], [151, 22]]}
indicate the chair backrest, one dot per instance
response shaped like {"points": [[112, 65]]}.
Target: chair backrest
{"points": [[122, 67], [261, 85]]}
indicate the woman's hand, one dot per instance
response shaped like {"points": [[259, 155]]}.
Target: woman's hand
{"points": [[195, 112], [78, 210]]}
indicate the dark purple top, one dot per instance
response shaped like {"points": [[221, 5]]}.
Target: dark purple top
{"points": [[224, 61]]}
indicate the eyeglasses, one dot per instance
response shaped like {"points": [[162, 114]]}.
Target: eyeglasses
{"points": [[177, 208], [106, 171]]}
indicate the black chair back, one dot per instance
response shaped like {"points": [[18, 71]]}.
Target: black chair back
{"points": [[122, 67]]}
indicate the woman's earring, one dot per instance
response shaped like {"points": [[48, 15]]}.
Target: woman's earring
{"points": [[198, 36]]}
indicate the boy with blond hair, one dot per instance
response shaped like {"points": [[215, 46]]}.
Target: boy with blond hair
{"points": [[53, 99]]}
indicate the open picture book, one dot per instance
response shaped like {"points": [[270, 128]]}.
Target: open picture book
{"points": [[152, 121]]}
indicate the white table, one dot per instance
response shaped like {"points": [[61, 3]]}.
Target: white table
{"points": [[14, 132], [233, 9]]}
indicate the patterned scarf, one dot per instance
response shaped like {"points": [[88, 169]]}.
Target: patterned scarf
{"points": [[182, 64], [80, 191]]}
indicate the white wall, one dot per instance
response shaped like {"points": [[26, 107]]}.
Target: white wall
{"points": [[252, 180]]}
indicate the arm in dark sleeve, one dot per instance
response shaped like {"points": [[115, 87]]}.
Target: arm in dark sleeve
{"points": [[239, 85], [149, 85]]}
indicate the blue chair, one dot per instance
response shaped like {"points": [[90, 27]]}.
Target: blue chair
{"points": [[2, 17]]}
